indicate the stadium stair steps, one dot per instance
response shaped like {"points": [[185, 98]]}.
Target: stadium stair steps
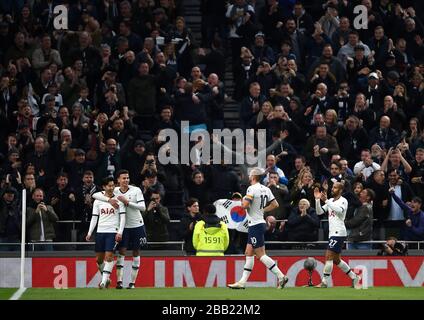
{"points": [[193, 20]]}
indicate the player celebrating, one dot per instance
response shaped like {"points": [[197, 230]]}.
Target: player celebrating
{"points": [[109, 231], [134, 233], [258, 200], [336, 208]]}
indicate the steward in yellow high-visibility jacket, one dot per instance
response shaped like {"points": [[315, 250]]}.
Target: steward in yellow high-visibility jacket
{"points": [[210, 236]]}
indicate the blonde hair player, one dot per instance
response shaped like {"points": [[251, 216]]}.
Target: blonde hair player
{"points": [[258, 200]]}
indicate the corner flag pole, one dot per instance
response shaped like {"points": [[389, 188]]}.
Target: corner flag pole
{"points": [[22, 285]]}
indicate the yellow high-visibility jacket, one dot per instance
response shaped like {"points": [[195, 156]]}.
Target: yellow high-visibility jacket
{"points": [[210, 240]]}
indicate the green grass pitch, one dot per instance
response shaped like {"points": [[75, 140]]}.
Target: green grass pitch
{"points": [[298, 293]]}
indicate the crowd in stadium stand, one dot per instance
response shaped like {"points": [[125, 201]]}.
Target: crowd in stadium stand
{"points": [[338, 103]]}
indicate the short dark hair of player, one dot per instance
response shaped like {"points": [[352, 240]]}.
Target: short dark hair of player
{"points": [[107, 180], [122, 171], [190, 202], [209, 209], [370, 193]]}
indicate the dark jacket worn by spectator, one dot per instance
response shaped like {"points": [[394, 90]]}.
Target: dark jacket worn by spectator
{"points": [[385, 138], [186, 233], [360, 224], [281, 194], [40, 224], [10, 216], [303, 228], [156, 219], [142, 93]]}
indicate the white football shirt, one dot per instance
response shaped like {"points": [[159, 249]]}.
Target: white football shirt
{"points": [[109, 217], [259, 197], [134, 218], [336, 223]]}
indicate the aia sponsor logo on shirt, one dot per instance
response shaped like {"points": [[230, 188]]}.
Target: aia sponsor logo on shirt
{"points": [[107, 211]]}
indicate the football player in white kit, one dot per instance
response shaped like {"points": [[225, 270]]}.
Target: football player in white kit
{"points": [[336, 208], [134, 233], [258, 200], [109, 230]]}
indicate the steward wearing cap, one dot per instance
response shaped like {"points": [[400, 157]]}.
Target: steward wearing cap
{"points": [[210, 236]]}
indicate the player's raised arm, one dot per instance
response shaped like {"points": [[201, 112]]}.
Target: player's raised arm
{"points": [[318, 195]]}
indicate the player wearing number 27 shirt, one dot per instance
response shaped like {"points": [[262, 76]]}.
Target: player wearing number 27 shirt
{"points": [[336, 208], [258, 200]]}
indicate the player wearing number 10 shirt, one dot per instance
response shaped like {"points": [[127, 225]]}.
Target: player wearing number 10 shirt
{"points": [[258, 200], [336, 208]]}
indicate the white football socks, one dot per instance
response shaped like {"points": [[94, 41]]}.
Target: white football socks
{"points": [[135, 267], [272, 266], [101, 267], [346, 269], [328, 268], [120, 268], [248, 267], [106, 271]]}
